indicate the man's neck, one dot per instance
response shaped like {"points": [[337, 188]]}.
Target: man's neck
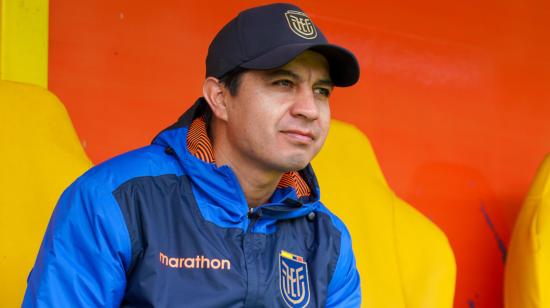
{"points": [[257, 185]]}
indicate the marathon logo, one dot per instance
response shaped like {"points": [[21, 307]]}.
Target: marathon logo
{"points": [[198, 262]]}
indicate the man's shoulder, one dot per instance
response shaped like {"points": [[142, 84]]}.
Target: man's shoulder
{"points": [[143, 162], [336, 222]]}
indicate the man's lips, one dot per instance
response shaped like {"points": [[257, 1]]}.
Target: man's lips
{"points": [[302, 136]]}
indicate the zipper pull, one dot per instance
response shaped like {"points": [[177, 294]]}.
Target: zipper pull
{"points": [[253, 214]]}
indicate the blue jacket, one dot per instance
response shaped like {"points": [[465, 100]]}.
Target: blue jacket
{"points": [[163, 226]]}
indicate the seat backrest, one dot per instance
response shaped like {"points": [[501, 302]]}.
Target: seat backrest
{"points": [[40, 155], [527, 273], [404, 259]]}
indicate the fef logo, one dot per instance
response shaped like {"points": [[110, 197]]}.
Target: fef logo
{"points": [[301, 24], [293, 279]]}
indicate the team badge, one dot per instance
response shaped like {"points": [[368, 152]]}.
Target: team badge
{"points": [[301, 24], [293, 279]]}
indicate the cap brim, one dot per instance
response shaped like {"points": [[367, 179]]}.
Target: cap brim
{"points": [[343, 66]]}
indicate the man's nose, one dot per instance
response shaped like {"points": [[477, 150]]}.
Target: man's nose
{"points": [[305, 104]]}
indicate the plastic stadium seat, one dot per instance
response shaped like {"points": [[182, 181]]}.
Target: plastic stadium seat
{"points": [[41, 155], [403, 258], [527, 274]]}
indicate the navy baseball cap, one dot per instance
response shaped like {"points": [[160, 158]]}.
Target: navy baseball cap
{"points": [[270, 36]]}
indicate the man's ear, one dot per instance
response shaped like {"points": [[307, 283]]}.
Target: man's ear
{"points": [[215, 93]]}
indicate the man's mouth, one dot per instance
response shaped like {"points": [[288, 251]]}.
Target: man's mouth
{"points": [[300, 136]]}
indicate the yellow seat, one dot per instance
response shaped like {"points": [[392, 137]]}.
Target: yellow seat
{"points": [[41, 155], [404, 259], [527, 273]]}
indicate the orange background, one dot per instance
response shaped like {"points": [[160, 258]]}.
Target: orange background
{"points": [[454, 97]]}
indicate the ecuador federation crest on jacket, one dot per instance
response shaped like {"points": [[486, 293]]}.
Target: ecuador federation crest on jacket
{"points": [[293, 279]]}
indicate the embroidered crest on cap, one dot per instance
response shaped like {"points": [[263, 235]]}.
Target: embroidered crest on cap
{"points": [[293, 279], [300, 24]]}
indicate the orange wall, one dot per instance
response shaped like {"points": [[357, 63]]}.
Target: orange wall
{"points": [[454, 97]]}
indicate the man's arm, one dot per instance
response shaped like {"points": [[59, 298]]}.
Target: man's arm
{"points": [[84, 253], [344, 289]]}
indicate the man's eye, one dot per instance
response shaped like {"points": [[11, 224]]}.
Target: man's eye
{"points": [[284, 83], [323, 91]]}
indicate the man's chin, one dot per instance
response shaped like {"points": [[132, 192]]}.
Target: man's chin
{"points": [[294, 164]]}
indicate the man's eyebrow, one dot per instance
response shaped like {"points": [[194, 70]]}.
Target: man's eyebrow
{"points": [[325, 82], [282, 72], [293, 75]]}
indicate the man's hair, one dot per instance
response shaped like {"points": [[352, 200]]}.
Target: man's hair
{"points": [[232, 79]]}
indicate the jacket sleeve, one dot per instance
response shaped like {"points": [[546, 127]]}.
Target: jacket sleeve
{"points": [[344, 289], [84, 254]]}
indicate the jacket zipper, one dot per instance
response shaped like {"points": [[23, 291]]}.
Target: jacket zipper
{"points": [[251, 257]]}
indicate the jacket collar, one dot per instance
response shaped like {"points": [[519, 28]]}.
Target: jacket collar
{"points": [[296, 195]]}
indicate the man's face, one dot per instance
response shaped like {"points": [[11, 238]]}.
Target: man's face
{"points": [[279, 119]]}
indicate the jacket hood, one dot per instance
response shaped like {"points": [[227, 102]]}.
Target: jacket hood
{"points": [[187, 140]]}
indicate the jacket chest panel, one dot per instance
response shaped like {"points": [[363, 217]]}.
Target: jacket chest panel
{"points": [[178, 257]]}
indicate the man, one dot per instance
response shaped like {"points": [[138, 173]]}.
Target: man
{"points": [[222, 210]]}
